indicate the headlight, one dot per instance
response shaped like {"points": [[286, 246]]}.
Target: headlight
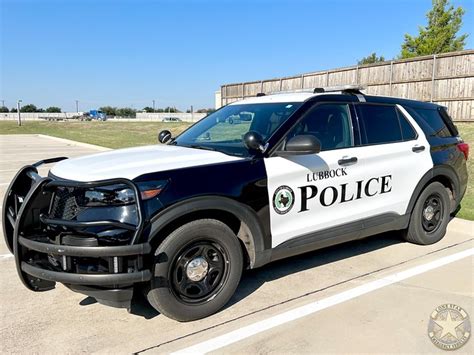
{"points": [[108, 196]]}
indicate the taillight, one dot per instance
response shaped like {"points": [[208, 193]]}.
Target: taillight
{"points": [[464, 148]]}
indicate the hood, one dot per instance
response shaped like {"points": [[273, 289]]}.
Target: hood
{"points": [[132, 162]]}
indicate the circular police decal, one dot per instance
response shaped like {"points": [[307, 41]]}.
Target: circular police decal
{"points": [[283, 199], [449, 327]]}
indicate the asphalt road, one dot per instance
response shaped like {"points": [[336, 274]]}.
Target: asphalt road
{"points": [[373, 296]]}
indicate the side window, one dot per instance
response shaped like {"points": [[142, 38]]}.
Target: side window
{"points": [[408, 133], [435, 121], [330, 123], [379, 124]]}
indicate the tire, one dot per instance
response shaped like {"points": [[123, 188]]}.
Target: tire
{"points": [[422, 230], [173, 291]]}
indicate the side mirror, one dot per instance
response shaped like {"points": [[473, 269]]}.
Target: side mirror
{"points": [[254, 141], [164, 136], [301, 145]]}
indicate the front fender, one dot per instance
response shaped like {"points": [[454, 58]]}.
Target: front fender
{"points": [[258, 248]]}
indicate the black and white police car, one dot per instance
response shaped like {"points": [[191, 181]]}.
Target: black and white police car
{"points": [[181, 220]]}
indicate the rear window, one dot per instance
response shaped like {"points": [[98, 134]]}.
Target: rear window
{"points": [[379, 124], [434, 119]]}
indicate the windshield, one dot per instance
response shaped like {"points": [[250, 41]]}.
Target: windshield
{"points": [[224, 129]]}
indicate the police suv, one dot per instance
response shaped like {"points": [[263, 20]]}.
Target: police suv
{"points": [[181, 220]]}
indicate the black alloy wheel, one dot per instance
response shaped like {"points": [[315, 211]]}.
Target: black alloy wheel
{"points": [[432, 215], [196, 269], [199, 271]]}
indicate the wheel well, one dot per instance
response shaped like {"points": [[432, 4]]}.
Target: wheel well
{"points": [[446, 181], [237, 226]]}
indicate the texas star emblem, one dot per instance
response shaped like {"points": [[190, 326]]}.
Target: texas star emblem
{"points": [[283, 199], [449, 327]]}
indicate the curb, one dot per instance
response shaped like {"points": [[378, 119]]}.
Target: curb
{"points": [[69, 141]]}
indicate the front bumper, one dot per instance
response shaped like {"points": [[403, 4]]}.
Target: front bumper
{"points": [[70, 251]]}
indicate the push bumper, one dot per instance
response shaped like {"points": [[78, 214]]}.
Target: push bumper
{"points": [[105, 272]]}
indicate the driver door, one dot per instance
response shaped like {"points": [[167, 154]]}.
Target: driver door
{"points": [[305, 190]]}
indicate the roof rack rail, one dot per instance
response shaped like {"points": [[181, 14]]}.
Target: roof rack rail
{"points": [[356, 89], [353, 89]]}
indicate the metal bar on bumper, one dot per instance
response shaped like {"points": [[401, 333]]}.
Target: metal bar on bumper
{"points": [[86, 279], [77, 224], [101, 251]]}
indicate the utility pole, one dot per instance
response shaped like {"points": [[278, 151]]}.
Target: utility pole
{"points": [[153, 106], [77, 106], [3, 103], [18, 107]]}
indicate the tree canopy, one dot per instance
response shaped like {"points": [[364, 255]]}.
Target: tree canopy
{"points": [[53, 109], [372, 58], [3, 109], [441, 33], [29, 108]]}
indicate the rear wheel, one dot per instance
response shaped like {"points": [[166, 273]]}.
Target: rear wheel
{"points": [[430, 216], [197, 270]]}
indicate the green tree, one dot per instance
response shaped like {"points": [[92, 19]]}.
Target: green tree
{"points": [[126, 112], [440, 35], [171, 110], [53, 109], [13, 109], [3, 109], [29, 108], [148, 109], [205, 110], [370, 59], [109, 110]]}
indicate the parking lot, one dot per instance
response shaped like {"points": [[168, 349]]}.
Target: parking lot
{"points": [[373, 295]]}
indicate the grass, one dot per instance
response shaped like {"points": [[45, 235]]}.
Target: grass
{"points": [[467, 205], [106, 134], [129, 134]]}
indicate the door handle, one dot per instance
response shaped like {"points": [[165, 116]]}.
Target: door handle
{"points": [[418, 148], [347, 160]]}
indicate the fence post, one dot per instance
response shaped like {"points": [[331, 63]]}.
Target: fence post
{"points": [[357, 75], [302, 81], [261, 86], [433, 78], [223, 88], [391, 78]]}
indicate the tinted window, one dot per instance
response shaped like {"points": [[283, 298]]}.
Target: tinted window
{"points": [[408, 133], [435, 121], [379, 124], [223, 130], [330, 123]]}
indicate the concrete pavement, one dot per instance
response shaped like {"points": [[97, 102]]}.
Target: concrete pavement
{"points": [[391, 319]]}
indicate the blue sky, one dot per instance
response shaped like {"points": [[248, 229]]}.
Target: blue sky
{"points": [[129, 52]]}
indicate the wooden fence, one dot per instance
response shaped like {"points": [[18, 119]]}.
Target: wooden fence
{"points": [[446, 79]]}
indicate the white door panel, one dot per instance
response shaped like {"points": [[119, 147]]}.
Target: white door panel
{"points": [[313, 192]]}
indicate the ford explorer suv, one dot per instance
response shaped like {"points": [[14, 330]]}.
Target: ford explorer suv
{"points": [[181, 220]]}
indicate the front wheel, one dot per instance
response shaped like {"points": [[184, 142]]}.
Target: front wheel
{"points": [[430, 216], [197, 270]]}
